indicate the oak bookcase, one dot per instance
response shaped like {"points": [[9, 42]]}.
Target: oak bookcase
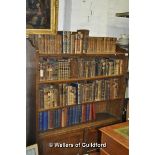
{"points": [[78, 126]]}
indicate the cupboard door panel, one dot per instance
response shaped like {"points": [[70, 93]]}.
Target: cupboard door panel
{"points": [[92, 135], [63, 144]]}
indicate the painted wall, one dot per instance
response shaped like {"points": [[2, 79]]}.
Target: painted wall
{"points": [[96, 15]]}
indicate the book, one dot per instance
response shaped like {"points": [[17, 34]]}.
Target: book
{"points": [[40, 121], [45, 120]]}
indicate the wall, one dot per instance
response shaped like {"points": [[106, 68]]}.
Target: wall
{"points": [[96, 15]]}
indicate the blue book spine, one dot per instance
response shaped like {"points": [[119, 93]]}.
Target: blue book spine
{"points": [[71, 115], [40, 122], [45, 121], [68, 116], [79, 110], [80, 113], [75, 115], [54, 119], [87, 112]]}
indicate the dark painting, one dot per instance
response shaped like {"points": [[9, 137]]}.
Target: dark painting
{"points": [[38, 14]]}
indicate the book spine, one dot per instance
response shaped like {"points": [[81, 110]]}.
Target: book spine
{"points": [[59, 118], [40, 121], [73, 115], [68, 42], [83, 113], [45, 120], [50, 120], [54, 119], [64, 42], [72, 50], [85, 35], [41, 98], [63, 118], [87, 112], [94, 111]]}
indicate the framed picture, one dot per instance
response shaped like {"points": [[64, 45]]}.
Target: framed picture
{"points": [[41, 16], [32, 150]]}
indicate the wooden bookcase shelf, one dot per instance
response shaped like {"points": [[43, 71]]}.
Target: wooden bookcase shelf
{"points": [[96, 102], [79, 79], [70, 110], [83, 55]]}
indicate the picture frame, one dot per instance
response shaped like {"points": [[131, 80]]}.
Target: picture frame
{"points": [[32, 150], [41, 16]]}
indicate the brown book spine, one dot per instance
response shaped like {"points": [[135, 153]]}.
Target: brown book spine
{"points": [[63, 118], [114, 45], [42, 44], [90, 112], [74, 69], [104, 44], [72, 50], [45, 44], [60, 44], [121, 66], [98, 45], [81, 43], [76, 43], [79, 37], [64, 42], [111, 83], [83, 113], [95, 45], [85, 34]]}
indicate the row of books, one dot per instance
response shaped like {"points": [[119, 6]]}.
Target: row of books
{"points": [[77, 93], [53, 69], [47, 44], [75, 42], [67, 42], [99, 45], [66, 117]]}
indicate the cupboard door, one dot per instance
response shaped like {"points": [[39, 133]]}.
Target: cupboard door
{"points": [[92, 135], [59, 141]]}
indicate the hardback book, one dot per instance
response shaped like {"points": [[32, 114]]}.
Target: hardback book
{"points": [[74, 68], [68, 42], [85, 34], [72, 48], [50, 119], [45, 120], [64, 42], [40, 121]]}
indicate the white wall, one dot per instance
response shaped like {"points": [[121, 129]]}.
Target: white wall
{"points": [[96, 15]]}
